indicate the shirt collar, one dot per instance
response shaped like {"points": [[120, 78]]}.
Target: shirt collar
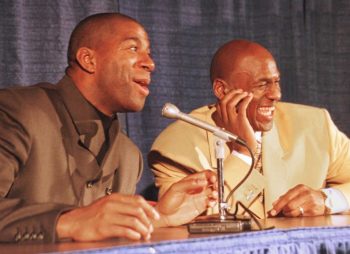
{"points": [[79, 108], [258, 136]]}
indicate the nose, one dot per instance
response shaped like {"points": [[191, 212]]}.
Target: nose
{"points": [[147, 63], [274, 92]]}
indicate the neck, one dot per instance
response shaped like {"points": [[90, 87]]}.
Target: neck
{"points": [[88, 88]]}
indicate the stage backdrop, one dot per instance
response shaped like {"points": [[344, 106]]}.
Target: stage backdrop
{"points": [[309, 39]]}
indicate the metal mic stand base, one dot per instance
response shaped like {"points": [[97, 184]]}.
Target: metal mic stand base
{"points": [[213, 224]]}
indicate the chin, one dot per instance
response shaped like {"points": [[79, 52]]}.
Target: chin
{"points": [[262, 126], [137, 107], [266, 127]]}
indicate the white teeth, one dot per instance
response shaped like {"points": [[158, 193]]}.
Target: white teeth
{"points": [[266, 111]]}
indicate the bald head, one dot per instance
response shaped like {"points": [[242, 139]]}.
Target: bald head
{"points": [[92, 30], [236, 56]]}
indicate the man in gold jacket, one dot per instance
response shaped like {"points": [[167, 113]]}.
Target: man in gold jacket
{"points": [[305, 158]]}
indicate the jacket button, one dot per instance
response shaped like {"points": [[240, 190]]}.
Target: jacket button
{"points": [[89, 185]]}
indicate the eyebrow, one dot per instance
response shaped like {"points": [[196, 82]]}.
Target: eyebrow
{"points": [[136, 39], [267, 79], [131, 39]]}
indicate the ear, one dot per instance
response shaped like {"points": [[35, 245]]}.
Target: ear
{"points": [[86, 59], [219, 88]]}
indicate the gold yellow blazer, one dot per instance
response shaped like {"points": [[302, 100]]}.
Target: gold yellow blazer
{"points": [[303, 147]]}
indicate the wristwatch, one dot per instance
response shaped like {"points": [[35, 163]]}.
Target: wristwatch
{"points": [[327, 203]]}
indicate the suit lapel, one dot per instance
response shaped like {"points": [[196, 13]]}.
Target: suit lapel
{"points": [[82, 134], [91, 135], [83, 166]]}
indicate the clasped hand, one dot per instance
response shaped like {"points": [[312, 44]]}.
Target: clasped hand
{"points": [[132, 217], [188, 198]]}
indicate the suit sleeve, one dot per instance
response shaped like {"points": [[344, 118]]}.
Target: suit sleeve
{"points": [[167, 170], [339, 170], [173, 155], [20, 220]]}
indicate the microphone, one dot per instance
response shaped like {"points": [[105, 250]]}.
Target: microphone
{"points": [[171, 111]]}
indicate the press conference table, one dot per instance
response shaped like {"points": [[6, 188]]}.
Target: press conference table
{"points": [[321, 234]]}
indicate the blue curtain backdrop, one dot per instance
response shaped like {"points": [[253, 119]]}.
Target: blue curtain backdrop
{"points": [[309, 39]]}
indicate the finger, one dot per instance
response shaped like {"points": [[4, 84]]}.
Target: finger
{"points": [[227, 99], [213, 179], [201, 203], [177, 193], [290, 200], [213, 198], [201, 179], [293, 191], [209, 195], [151, 212], [281, 202], [210, 176], [218, 110], [295, 203], [131, 215], [231, 92], [309, 202], [295, 212], [121, 231], [133, 223], [243, 105], [136, 206], [232, 105], [106, 231]]}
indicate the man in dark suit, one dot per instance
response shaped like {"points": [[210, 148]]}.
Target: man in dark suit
{"points": [[66, 169]]}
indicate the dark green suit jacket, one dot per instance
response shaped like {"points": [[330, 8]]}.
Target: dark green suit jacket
{"points": [[49, 139]]}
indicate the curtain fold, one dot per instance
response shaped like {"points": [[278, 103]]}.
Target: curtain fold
{"points": [[34, 37]]}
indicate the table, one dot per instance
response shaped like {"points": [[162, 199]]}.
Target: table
{"points": [[321, 234]]}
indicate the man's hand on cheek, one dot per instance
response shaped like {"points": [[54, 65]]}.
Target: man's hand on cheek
{"points": [[232, 112]]}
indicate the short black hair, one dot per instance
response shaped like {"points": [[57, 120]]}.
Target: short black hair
{"points": [[84, 33]]}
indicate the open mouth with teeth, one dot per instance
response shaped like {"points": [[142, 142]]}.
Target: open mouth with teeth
{"points": [[266, 112], [143, 85]]}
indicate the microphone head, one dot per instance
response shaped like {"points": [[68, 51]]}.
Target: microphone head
{"points": [[170, 111]]}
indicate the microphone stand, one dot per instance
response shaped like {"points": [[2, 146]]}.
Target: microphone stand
{"points": [[220, 154], [225, 222]]}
